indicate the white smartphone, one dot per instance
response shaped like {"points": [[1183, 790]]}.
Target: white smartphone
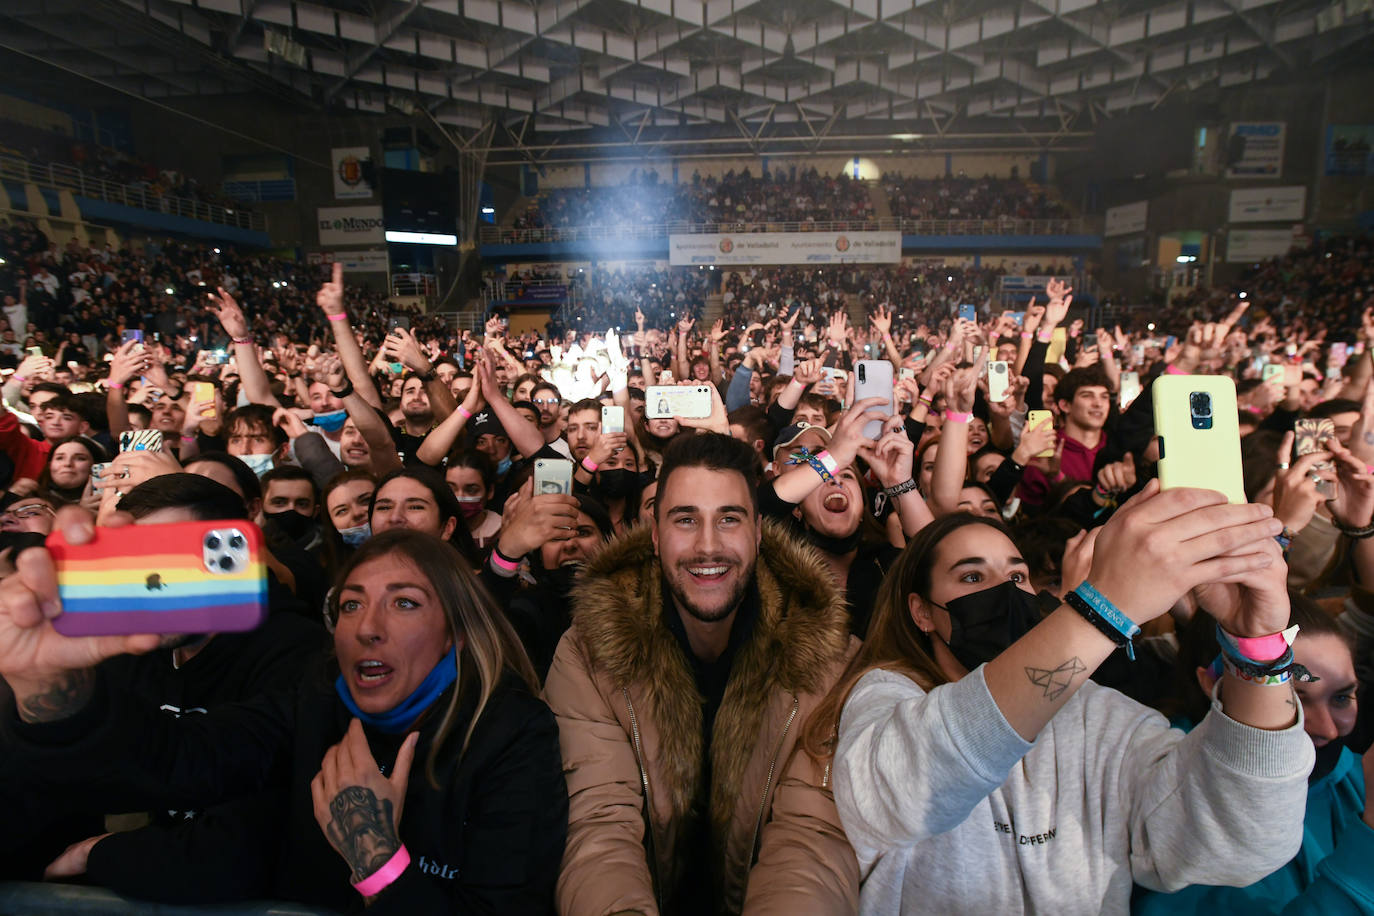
{"points": [[552, 475], [873, 379], [1130, 388], [613, 419], [664, 401], [999, 381]]}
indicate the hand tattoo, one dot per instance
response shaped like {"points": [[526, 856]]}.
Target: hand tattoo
{"points": [[59, 699], [361, 828], [1056, 680]]}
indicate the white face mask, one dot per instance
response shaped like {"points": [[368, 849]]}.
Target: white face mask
{"points": [[259, 464]]}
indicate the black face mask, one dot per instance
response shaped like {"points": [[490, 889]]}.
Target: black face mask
{"points": [[291, 523], [616, 483], [835, 545], [986, 623], [560, 580], [1328, 755]]}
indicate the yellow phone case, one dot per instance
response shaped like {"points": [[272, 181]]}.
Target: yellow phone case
{"points": [[1197, 449]]}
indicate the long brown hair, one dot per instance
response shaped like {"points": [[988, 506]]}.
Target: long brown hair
{"points": [[490, 647], [894, 642]]}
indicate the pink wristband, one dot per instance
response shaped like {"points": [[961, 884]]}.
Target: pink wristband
{"points": [[957, 416], [501, 562], [342, 316], [115, 385], [1171, 369], [1027, 335], [1261, 648], [20, 378], [589, 465], [1043, 337], [378, 881], [466, 414]]}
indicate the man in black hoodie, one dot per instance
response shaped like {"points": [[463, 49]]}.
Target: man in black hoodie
{"points": [[172, 858]]}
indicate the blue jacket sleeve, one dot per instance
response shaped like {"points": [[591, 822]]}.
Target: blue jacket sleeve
{"points": [[738, 393]]}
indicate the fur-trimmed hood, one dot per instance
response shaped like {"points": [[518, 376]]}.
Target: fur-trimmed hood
{"points": [[801, 633]]}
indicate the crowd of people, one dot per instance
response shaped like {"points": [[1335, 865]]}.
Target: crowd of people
{"points": [[735, 199], [742, 201], [105, 162], [963, 197], [676, 618]]}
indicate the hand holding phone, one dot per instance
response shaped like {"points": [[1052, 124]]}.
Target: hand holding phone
{"points": [[186, 577]]}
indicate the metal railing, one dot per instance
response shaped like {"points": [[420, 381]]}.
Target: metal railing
{"points": [[139, 196], [495, 235], [415, 284], [466, 320], [267, 190]]}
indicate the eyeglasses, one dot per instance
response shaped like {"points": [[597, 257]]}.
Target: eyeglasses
{"points": [[546, 401], [32, 511]]}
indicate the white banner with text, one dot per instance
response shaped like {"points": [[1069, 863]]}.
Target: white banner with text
{"points": [[351, 226], [786, 248]]}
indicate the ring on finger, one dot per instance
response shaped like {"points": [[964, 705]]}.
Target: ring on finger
{"points": [[1283, 466]]}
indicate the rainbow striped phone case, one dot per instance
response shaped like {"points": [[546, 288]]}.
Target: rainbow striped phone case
{"points": [[186, 577]]}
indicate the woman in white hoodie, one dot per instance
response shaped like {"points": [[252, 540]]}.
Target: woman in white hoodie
{"points": [[976, 768]]}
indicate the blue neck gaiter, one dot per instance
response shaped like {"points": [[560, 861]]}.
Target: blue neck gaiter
{"points": [[397, 720]]}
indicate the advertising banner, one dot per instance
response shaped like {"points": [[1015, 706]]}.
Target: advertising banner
{"points": [[1125, 219], [1255, 150], [348, 171], [1350, 150], [1257, 244], [351, 225], [1268, 205], [786, 248]]}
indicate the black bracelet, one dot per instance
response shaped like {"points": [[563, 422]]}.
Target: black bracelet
{"points": [[429, 376], [1358, 534], [906, 487], [343, 392], [1086, 610], [496, 549]]}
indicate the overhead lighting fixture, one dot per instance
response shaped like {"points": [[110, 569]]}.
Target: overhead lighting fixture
{"points": [[488, 211], [905, 137], [421, 238]]}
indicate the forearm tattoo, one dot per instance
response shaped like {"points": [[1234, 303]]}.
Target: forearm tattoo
{"points": [[59, 699], [362, 829], [1055, 681]]}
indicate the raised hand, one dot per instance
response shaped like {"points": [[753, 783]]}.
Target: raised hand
{"points": [[330, 296], [400, 346], [130, 360], [224, 307], [881, 320]]}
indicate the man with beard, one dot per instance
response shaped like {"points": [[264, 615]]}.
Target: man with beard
{"points": [[697, 650]]}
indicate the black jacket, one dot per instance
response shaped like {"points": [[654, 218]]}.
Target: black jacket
{"points": [[488, 840]]}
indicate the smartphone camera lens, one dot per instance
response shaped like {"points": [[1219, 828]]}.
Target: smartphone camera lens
{"points": [[236, 542], [1200, 407], [226, 563], [212, 542], [862, 376]]}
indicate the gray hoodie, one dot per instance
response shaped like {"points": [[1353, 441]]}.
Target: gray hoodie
{"points": [[951, 811]]}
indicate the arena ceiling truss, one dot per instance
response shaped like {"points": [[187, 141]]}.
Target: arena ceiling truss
{"points": [[722, 75]]}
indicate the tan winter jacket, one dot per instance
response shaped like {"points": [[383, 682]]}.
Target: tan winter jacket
{"points": [[629, 719]]}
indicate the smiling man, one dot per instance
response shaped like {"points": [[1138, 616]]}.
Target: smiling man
{"points": [[697, 651], [1085, 400]]}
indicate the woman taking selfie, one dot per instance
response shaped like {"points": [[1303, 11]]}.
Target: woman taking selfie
{"points": [[425, 671], [968, 731]]}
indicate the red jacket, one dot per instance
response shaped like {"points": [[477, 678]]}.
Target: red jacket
{"points": [[30, 456]]}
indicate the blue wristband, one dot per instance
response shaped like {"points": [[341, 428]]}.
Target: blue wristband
{"points": [[1109, 613]]}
